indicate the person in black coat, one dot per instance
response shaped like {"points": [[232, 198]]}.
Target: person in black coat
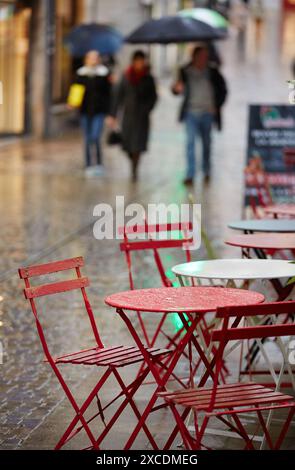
{"points": [[95, 106], [204, 90], [135, 97]]}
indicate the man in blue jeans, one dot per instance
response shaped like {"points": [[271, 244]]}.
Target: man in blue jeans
{"points": [[204, 91]]}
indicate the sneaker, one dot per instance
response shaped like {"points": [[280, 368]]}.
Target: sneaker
{"points": [[89, 172], [207, 179], [98, 170], [93, 171]]}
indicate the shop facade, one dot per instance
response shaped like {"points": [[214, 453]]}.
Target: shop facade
{"points": [[35, 68], [14, 51]]}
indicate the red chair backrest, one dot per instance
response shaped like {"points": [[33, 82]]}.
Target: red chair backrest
{"points": [[150, 243], [232, 332], [259, 180], [33, 292], [289, 157], [228, 333]]}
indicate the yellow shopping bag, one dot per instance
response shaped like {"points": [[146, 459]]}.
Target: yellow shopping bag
{"points": [[76, 95]]}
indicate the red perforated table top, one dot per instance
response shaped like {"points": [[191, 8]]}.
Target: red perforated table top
{"points": [[182, 299], [281, 209]]}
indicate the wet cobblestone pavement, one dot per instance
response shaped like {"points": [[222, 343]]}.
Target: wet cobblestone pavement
{"points": [[46, 210]]}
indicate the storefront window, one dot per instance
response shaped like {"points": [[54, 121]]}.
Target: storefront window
{"points": [[68, 14], [14, 44]]}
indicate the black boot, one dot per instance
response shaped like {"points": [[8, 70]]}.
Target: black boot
{"points": [[134, 164]]}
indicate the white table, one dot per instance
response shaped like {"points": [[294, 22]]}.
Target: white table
{"points": [[247, 270], [235, 269]]}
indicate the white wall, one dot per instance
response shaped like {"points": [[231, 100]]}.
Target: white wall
{"points": [[127, 15], [124, 15]]}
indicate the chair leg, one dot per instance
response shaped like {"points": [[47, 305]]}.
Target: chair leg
{"points": [[200, 432], [142, 420], [79, 415], [186, 437], [129, 396], [136, 385], [264, 426], [110, 403], [241, 428], [284, 429], [176, 430]]}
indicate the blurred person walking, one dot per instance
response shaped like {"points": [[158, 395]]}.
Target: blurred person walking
{"points": [[134, 98], [258, 15], [97, 81], [204, 90]]}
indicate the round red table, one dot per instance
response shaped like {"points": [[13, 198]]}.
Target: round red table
{"points": [[285, 210], [190, 304], [262, 244], [184, 299], [262, 241]]}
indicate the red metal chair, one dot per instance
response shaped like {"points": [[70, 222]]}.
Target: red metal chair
{"points": [[154, 245], [257, 179], [112, 359], [228, 402], [289, 158]]}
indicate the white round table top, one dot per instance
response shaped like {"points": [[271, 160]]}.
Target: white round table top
{"points": [[236, 269]]}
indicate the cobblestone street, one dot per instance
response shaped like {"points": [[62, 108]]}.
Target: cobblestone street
{"points": [[46, 207]]}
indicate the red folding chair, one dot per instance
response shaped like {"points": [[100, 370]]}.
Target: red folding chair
{"points": [[112, 359], [257, 179], [228, 402], [154, 245], [289, 158]]}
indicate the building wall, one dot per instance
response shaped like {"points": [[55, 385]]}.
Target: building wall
{"points": [[127, 15], [14, 46], [37, 78], [123, 15], [50, 68]]}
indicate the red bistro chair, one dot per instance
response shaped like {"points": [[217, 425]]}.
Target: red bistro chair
{"points": [[155, 245], [258, 180], [289, 158], [227, 402], [112, 359]]}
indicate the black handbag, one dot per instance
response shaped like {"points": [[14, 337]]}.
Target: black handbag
{"points": [[114, 138]]}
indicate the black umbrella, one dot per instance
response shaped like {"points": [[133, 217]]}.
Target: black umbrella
{"points": [[173, 29], [93, 36]]}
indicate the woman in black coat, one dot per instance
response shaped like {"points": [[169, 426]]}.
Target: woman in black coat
{"points": [[95, 106], [135, 97]]}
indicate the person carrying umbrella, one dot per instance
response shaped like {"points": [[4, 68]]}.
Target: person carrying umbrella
{"points": [[95, 106], [135, 97], [204, 90]]}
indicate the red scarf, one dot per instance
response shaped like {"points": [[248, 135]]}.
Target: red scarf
{"points": [[135, 76]]}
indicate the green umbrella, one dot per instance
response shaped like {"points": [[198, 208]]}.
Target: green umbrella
{"points": [[211, 17]]}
